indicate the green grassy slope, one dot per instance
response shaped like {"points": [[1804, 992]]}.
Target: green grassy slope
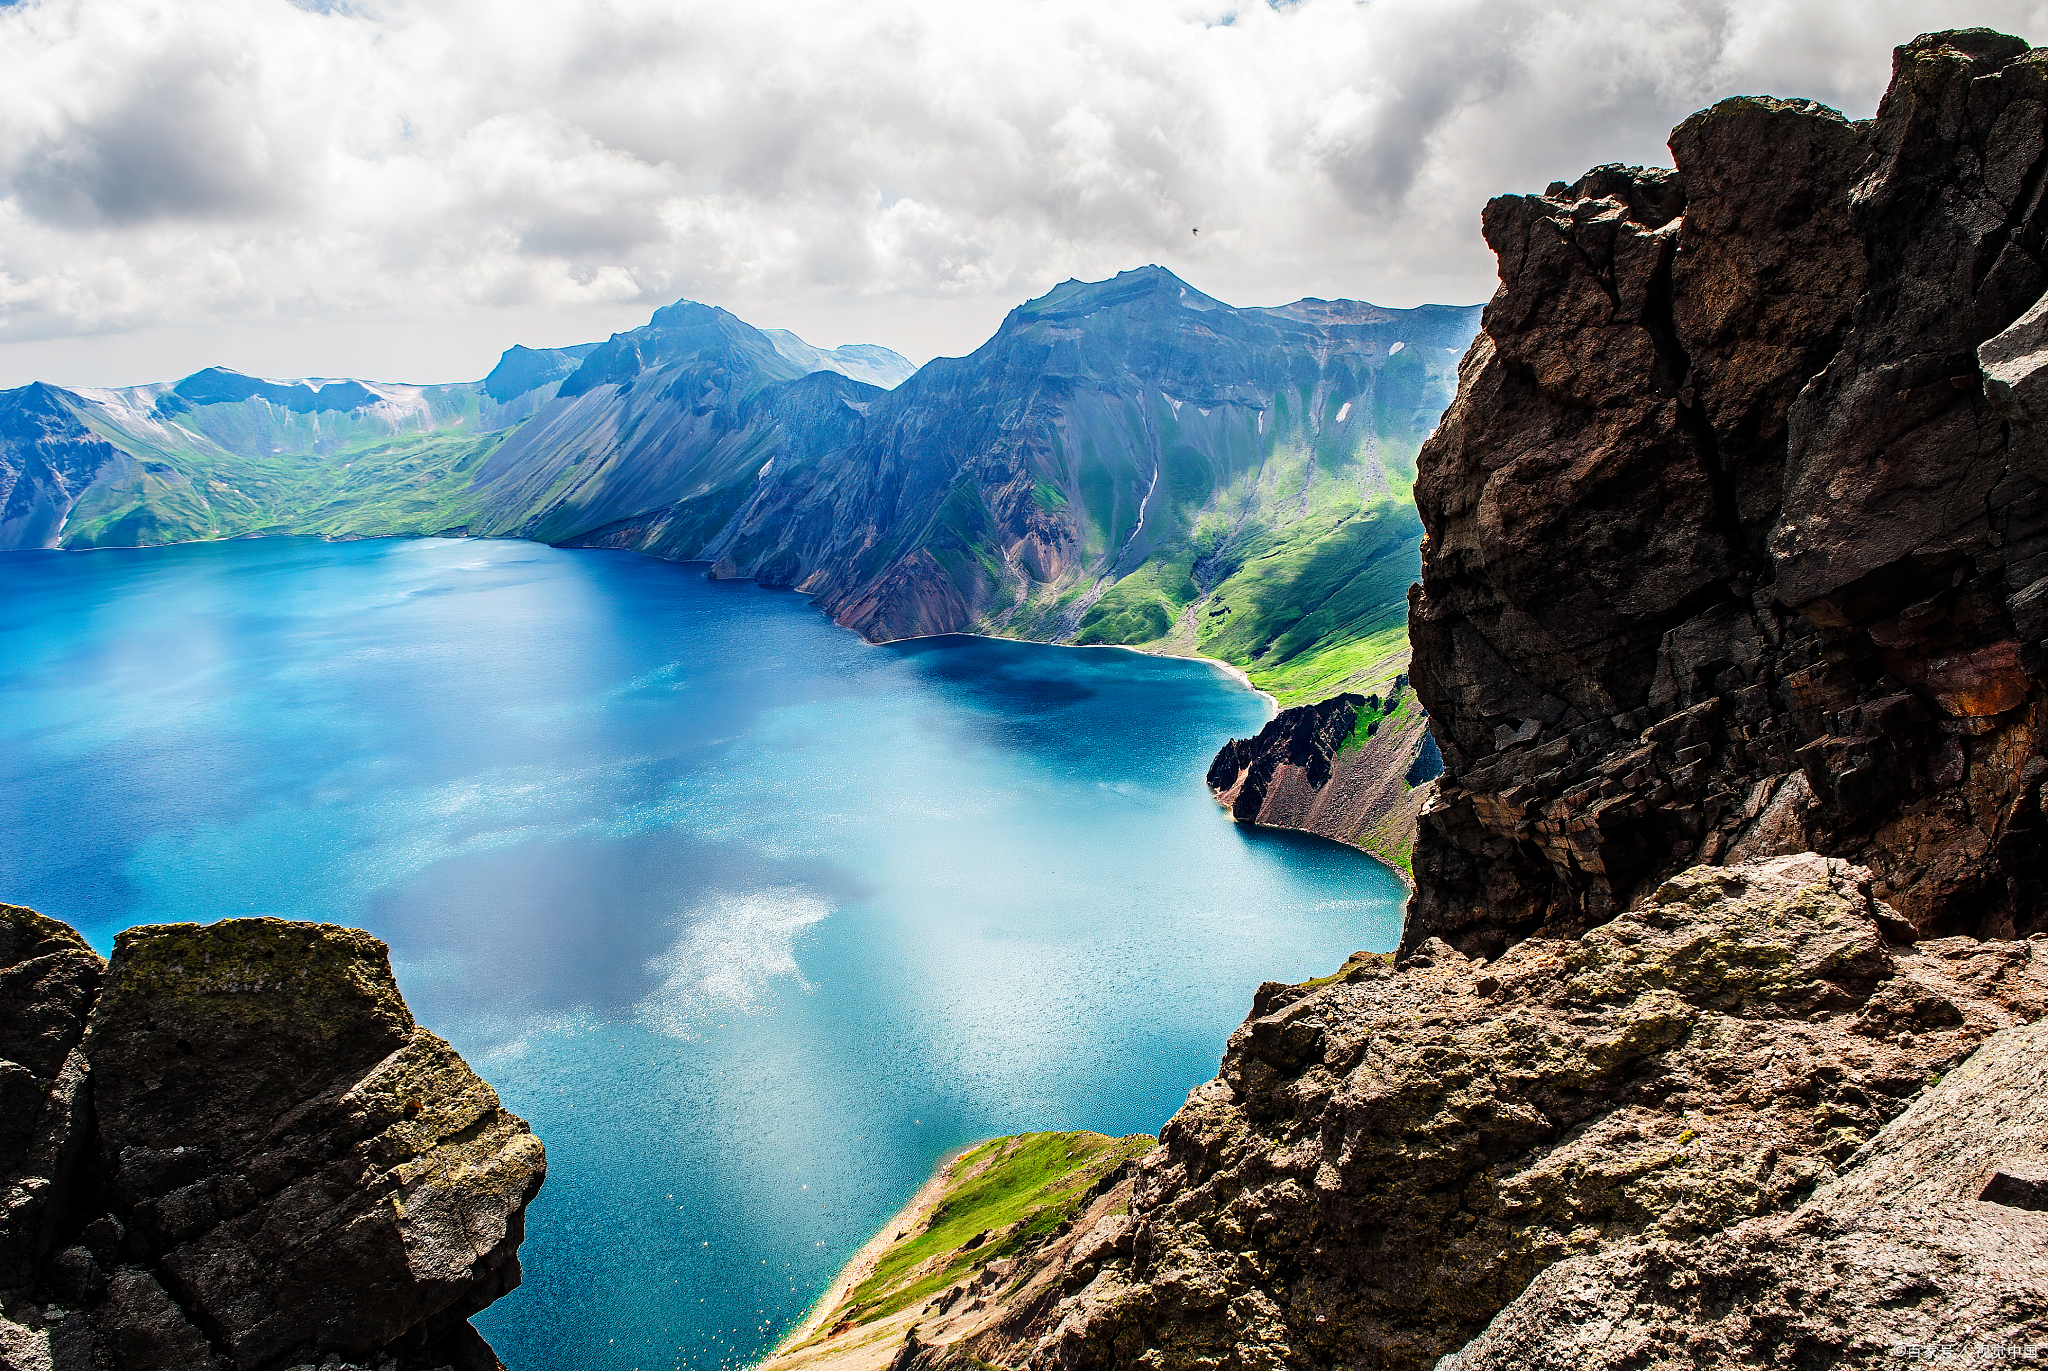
{"points": [[376, 486], [1291, 560], [1014, 1189], [238, 468]]}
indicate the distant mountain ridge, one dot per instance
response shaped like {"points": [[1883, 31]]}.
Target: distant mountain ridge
{"points": [[220, 454], [1126, 461]]}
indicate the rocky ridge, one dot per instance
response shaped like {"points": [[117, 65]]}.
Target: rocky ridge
{"points": [[1392, 1153], [231, 1148], [1916, 1254], [1738, 530], [1121, 463]]}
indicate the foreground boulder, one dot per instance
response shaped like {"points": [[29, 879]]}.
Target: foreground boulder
{"points": [[245, 1155], [1390, 1156], [1737, 532]]}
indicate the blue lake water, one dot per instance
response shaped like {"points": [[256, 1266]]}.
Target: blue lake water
{"points": [[752, 920]]}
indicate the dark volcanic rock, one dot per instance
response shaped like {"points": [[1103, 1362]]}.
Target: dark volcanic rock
{"points": [[249, 1154], [48, 980], [1301, 740], [1346, 768], [1736, 545]]}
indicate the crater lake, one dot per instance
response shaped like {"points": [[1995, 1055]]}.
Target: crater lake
{"points": [[752, 920]]}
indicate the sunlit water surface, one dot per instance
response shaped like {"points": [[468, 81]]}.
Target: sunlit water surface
{"points": [[753, 921]]}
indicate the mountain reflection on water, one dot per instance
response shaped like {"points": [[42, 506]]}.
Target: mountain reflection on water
{"points": [[752, 920]]}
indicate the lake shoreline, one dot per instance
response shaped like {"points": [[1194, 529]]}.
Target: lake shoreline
{"points": [[861, 1264]]}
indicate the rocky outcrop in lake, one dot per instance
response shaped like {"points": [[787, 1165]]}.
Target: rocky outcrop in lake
{"points": [[1355, 768], [1738, 529], [230, 1148]]}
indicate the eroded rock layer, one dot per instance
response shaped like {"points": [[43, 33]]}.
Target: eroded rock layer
{"points": [[231, 1147], [1917, 1253], [1355, 768], [1389, 1156], [1737, 533]]}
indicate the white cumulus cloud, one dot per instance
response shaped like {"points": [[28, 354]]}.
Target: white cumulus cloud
{"points": [[400, 188]]}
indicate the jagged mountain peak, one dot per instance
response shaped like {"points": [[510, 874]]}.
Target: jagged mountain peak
{"points": [[690, 332], [1150, 285]]}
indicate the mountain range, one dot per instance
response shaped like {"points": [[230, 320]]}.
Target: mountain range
{"points": [[1126, 461]]}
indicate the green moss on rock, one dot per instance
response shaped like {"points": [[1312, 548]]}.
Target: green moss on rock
{"points": [[315, 980]]}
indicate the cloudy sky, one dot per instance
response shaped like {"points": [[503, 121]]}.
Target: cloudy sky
{"points": [[398, 189]]}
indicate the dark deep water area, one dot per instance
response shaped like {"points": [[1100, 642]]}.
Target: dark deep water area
{"points": [[752, 920]]}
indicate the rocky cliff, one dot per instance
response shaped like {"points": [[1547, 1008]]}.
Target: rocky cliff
{"points": [[1737, 532], [1355, 768], [1735, 549], [230, 1149], [1392, 1153]]}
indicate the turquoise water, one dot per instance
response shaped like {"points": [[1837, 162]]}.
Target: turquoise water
{"points": [[752, 920]]}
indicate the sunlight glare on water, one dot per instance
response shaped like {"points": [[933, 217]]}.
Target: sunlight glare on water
{"points": [[752, 920]]}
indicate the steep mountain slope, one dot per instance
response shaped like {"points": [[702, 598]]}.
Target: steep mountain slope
{"points": [[1126, 461], [220, 455]]}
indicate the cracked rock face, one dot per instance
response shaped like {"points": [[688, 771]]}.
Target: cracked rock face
{"points": [[1899, 1260], [257, 1159], [1388, 1158], [1737, 533], [49, 978]]}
